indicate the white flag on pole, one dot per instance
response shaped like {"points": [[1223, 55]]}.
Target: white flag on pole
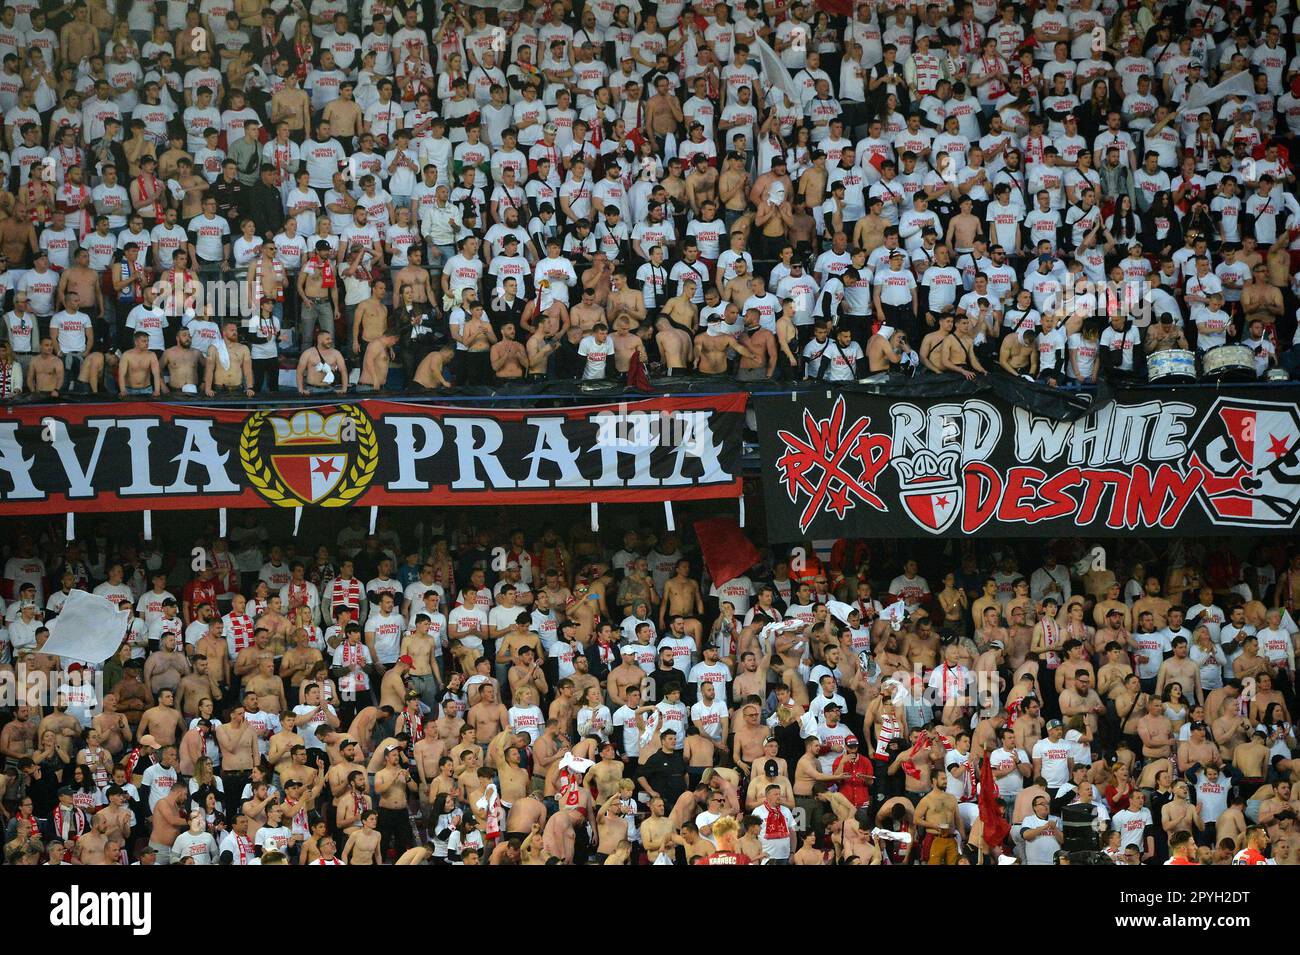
{"points": [[1243, 84], [89, 628], [772, 72]]}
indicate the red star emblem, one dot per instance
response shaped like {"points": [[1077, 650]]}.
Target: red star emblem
{"points": [[839, 501], [324, 467], [1277, 446], [941, 501]]}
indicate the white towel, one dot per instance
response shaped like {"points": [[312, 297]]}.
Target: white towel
{"points": [[223, 353]]}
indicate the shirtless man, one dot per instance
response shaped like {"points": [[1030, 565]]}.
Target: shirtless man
{"points": [[1156, 731], [378, 357], [79, 39], [429, 373], [233, 373], [488, 716], [1018, 354], [84, 281], [733, 187], [884, 354], [626, 344], [1260, 300], [711, 350], [364, 842], [933, 340], [546, 314], [957, 352], [702, 188], [1112, 603], [682, 598], [179, 366], [268, 687], [112, 726], [936, 816], [195, 686], [663, 112], [678, 312], [750, 739], [138, 375], [478, 337], [321, 368], [46, 371], [291, 105], [758, 359], [163, 721], [1152, 602], [370, 320], [587, 314], [237, 740], [509, 358], [624, 301], [415, 277]]}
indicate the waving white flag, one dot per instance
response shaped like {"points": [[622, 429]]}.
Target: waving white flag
{"points": [[1243, 84], [772, 72], [89, 628]]}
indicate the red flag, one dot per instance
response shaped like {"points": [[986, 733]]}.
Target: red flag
{"points": [[728, 553], [636, 376], [996, 827]]}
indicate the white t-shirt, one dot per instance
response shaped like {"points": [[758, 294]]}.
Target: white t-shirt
{"points": [[272, 839], [737, 592], [1055, 761], [1012, 783], [778, 848], [201, 848], [527, 719], [159, 781], [625, 718], [598, 355], [386, 630], [308, 730], [1042, 851], [469, 617], [710, 718], [1132, 826], [912, 590]]}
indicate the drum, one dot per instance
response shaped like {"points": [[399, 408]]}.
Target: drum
{"points": [[1171, 366], [1229, 363]]}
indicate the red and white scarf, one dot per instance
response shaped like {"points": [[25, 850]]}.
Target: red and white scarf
{"points": [[241, 630], [244, 846], [63, 830], [153, 182], [775, 826], [1050, 640]]}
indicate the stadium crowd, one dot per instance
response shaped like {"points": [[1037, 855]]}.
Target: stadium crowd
{"points": [[233, 197], [463, 694]]}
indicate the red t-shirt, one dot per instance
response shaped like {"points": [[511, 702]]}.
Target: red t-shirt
{"points": [[722, 857], [857, 788], [199, 592]]}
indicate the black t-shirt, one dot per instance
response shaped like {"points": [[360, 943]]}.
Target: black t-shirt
{"points": [[662, 678], [665, 773]]}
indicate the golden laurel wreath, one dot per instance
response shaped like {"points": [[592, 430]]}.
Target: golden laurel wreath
{"points": [[352, 486]]}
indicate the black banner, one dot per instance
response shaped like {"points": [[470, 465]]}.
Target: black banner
{"points": [[1199, 460]]}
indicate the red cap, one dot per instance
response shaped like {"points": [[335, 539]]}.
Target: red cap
{"points": [[74, 666], [407, 660]]}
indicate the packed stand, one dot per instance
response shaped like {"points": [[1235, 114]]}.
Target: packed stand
{"points": [[237, 199], [455, 694]]}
